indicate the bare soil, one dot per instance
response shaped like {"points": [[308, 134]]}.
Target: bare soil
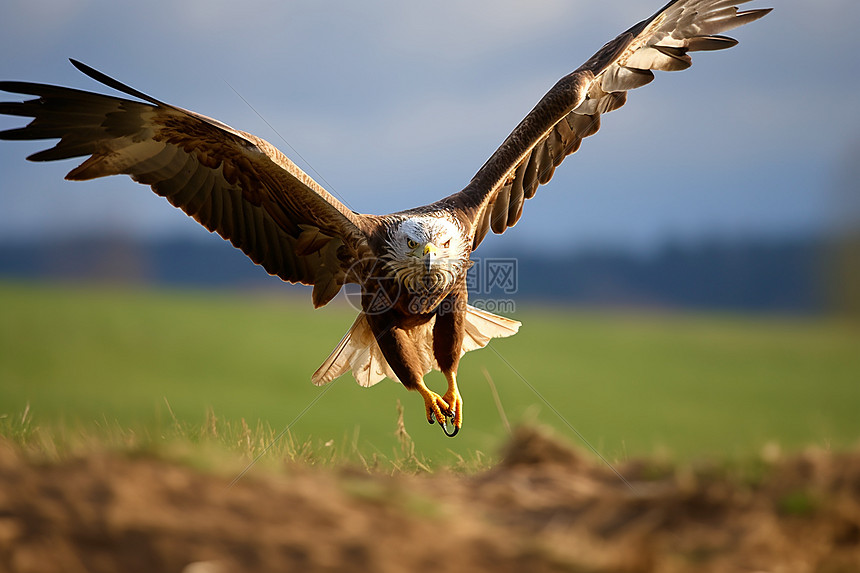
{"points": [[545, 508]]}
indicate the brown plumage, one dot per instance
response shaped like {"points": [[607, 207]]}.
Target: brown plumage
{"points": [[411, 265]]}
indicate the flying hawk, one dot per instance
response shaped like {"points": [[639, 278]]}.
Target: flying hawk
{"points": [[411, 266]]}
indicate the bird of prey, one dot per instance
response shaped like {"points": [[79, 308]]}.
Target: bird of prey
{"points": [[411, 265]]}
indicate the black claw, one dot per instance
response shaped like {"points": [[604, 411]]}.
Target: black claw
{"points": [[452, 434], [431, 421], [444, 425]]}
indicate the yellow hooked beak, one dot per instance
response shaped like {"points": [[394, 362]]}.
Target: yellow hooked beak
{"points": [[430, 254]]}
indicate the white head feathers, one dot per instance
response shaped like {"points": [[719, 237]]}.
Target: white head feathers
{"points": [[427, 254]]}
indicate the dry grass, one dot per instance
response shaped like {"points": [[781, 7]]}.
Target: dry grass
{"points": [[222, 444], [544, 508]]}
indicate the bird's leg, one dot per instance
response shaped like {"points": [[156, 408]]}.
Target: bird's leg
{"points": [[402, 355], [454, 400], [435, 406], [448, 333]]}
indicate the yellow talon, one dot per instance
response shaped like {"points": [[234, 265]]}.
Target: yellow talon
{"points": [[453, 398], [434, 405], [440, 408]]}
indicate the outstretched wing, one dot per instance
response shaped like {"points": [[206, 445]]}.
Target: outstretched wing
{"points": [[571, 110], [231, 182]]}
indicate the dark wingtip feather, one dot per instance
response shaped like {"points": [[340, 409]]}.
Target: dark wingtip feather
{"points": [[24, 88], [752, 15], [39, 156], [762, 12], [112, 83], [17, 134], [61, 152], [15, 108], [710, 43]]}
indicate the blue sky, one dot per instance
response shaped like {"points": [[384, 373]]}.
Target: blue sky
{"points": [[393, 104]]}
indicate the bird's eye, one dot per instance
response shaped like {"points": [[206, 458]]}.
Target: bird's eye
{"points": [[411, 244], [446, 244]]}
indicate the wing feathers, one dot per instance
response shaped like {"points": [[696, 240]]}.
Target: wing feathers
{"points": [[571, 110], [623, 78], [112, 83], [175, 162], [516, 199], [731, 21], [530, 178], [584, 125], [230, 182], [543, 163], [710, 43], [658, 58], [499, 214], [310, 240]]}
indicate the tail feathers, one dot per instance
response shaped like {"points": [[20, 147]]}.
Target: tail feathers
{"points": [[482, 326], [358, 350]]}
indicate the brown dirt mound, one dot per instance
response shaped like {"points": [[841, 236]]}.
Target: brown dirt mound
{"points": [[545, 508]]}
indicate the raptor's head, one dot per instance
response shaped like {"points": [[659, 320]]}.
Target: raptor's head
{"points": [[427, 254]]}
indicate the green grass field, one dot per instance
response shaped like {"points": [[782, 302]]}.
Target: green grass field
{"points": [[634, 384]]}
